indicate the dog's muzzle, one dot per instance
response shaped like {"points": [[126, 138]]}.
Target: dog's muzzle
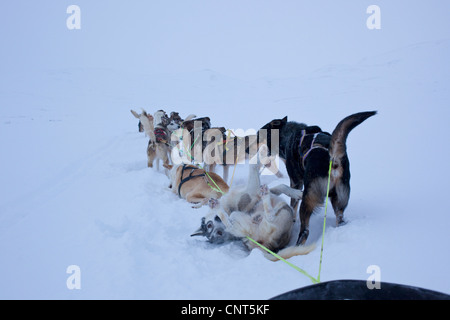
{"points": [[214, 230]]}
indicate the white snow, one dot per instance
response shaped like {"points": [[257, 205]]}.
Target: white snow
{"points": [[75, 188]]}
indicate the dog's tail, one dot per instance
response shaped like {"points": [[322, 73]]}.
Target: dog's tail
{"points": [[190, 117], [148, 125], [135, 114], [290, 252], [338, 147]]}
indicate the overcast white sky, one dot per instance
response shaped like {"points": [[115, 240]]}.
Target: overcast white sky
{"points": [[241, 38]]}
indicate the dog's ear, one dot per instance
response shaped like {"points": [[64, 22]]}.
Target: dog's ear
{"points": [[135, 114], [275, 123], [168, 166], [202, 231], [165, 120]]}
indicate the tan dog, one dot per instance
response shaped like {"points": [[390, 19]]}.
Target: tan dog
{"points": [[195, 184], [146, 124]]}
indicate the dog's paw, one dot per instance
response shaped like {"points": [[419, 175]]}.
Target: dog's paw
{"points": [[279, 174], [340, 221], [257, 219], [213, 203], [263, 190], [302, 237], [297, 194]]}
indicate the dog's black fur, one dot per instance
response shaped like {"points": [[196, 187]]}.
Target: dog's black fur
{"points": [[309, 168]]}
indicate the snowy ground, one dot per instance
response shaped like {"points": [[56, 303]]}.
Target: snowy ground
{"points": [[75, 189]]}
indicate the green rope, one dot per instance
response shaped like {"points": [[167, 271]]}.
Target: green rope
{"points": [[218, 189], [325, 219], [285, 261]]}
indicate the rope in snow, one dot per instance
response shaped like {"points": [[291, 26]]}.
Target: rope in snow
{"points": [[314, 280], [325, 218]]}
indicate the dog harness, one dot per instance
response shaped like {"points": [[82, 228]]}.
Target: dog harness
{"points": [[161, 135], [314, 145], [189, 177]]}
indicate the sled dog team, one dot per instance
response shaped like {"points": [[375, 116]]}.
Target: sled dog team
{"points": [[253, 210]]}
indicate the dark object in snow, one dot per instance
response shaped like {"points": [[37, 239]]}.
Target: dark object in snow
{"points": [[358, 290]]}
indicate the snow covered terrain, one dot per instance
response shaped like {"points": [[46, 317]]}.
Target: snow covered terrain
{"points": [[75, 188]]}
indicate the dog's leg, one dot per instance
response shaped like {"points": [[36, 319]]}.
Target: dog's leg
{"points": [[164, 156], [265, 197], [296, 183], [313, 197], [306, 210], [225, 172], [295, 201], [151, 154], [196, 198], [169, 155], [339, 201], [267, 203], [200, 204], [270, 211], [272, 167], [253, 180], [290, 192]]}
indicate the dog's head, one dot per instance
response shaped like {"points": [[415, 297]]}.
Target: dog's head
{"points": [[212, 226], [205, 123], [174, 121], [175, 116], [270, 131], [213, 230], [264, 134], [161, 119]]}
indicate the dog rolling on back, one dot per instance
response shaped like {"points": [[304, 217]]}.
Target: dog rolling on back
{"points": [[255, 212], [307, 152]]}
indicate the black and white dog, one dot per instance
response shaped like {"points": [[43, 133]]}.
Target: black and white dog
{"points": [[307, 151]]}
